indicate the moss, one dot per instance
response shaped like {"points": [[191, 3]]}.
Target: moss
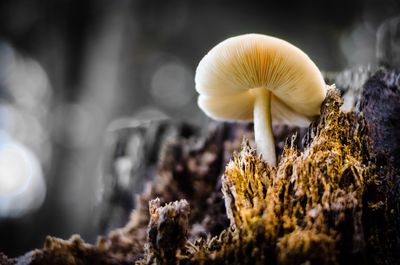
{"points": [[307, 209]]}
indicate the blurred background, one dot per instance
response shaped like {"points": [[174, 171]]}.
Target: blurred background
{"points": [[72, 71]]}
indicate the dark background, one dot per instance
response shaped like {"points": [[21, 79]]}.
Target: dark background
{"points": [[70, 70]]}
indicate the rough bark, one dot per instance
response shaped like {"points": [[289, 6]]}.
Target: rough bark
{"points": [[380, 107]]}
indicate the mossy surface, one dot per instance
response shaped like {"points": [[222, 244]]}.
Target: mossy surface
{"points": [[307, 209]]}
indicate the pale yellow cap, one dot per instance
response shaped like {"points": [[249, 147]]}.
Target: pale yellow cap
{"points": [[226, 76]]}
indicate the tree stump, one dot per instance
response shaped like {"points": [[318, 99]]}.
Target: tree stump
{"points": [[205, 197]]}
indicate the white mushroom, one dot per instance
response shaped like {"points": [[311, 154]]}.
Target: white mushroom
{"points": [[260, 78]]}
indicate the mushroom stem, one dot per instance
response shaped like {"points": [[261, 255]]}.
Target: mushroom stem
{"points": [[263, 125]]}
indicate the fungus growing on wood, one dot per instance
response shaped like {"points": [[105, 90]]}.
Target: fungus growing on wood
{"points": [[260, 78]]}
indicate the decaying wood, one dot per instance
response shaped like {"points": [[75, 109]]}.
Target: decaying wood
{"points": [[332, 199], [380, 107]]}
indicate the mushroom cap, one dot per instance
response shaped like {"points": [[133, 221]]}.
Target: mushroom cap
{"points": [[226, 76]]}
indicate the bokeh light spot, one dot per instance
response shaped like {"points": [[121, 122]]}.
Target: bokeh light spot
{"points": [[22, 186], [172, 84]]}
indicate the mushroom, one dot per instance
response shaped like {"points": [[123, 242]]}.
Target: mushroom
{"points": [[260, 78]]}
